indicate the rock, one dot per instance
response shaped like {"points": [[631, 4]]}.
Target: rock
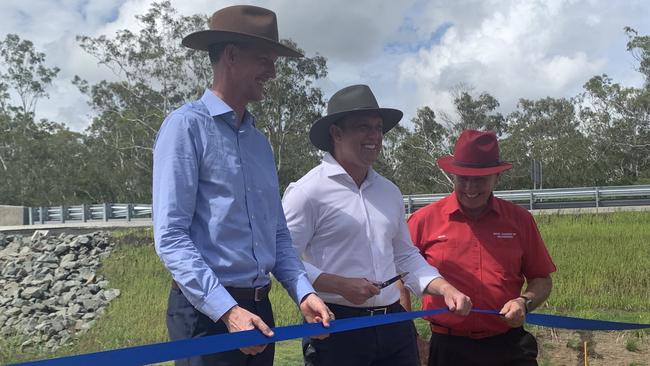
{"points": [[66, 298], [38, 234], [32, 292], [48, 258], [70, 257], [91, 304], [61, 249], [12, 290], [110, 294], [49, 286], [87, 275]]}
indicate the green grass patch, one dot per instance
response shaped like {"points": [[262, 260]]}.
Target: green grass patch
{"points": [[603, 272], [603, 263]]}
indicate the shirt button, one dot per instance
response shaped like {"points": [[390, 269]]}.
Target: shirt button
{"points": [[253, 217]]}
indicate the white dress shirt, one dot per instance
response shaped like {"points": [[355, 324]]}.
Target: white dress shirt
{"points": [[352, 231]]}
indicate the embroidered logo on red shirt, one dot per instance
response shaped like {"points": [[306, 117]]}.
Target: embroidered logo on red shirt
{"points": [[505, 235]]}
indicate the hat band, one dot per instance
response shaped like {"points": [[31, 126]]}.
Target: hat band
{"points": [[477, 165]]}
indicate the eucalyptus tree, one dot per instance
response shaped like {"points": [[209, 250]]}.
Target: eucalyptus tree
{"points": [[617, 119], [153, 74]]}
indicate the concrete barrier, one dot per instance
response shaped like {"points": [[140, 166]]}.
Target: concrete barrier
{"points": [[13, 215]]}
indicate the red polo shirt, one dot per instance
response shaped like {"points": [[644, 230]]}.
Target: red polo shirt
{"points": [[487, 258]]}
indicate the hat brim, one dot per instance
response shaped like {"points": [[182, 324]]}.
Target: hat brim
{"points": [[319, 134], [446, 163], [202, 40]]}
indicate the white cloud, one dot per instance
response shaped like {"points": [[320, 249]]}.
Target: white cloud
{"points": [[522, 49]]}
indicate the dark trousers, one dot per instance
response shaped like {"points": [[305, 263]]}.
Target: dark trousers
{"points": [[513, 348], [184, 321], [385, 345]]}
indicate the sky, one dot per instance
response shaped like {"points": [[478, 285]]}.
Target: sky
{"points": [[412, 53]]}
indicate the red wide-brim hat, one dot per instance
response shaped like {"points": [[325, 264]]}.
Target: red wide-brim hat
{"points": [[476, 153]]}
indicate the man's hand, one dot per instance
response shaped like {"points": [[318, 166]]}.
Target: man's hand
{"points": [[358, 290], [514, 312], [238, 319], [457, 302], [315, 311]]}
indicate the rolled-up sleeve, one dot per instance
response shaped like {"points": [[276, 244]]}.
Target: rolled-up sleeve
{"points": [[175, 184]]}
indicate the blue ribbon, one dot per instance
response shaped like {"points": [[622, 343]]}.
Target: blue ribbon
{"points": [[160, 352]]}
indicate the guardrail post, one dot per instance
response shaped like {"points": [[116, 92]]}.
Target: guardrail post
{"points": [[409, 207], [597, 197], [31, 215], [64, 210], [84, 212], [42, 214], [532, 200], [129, 209], [107, 210]]}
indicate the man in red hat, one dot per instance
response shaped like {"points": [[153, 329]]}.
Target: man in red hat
{"points": [[487, 248], [347, 223], [219, 227]]}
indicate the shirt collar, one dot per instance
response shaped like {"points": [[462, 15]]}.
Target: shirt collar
{"points": [[332, 168], [217, 107], [451, 206]]}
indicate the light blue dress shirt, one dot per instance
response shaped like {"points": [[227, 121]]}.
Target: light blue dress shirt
{"points": [[218, 220]]}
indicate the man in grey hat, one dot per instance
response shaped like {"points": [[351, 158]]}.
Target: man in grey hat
{"points": [[219, 227], [348, 224]]}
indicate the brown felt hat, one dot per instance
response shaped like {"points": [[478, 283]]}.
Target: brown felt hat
{"points": [[241, 23]]}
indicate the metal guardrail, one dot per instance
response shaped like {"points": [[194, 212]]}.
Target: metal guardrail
{"points": [[615, 196], [85, 213], [530, 199]]}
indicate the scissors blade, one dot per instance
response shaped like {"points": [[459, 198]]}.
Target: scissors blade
{"points": [[392, 280]]}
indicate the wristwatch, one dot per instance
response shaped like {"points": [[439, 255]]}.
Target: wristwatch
{"points": [[527, 302]]}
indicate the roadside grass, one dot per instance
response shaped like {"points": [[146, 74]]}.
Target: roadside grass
{"points": [[603, 272], [603, 263]]}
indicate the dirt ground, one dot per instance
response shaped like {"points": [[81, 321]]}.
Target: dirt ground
{"points": [[559, 347], [566, 348]]}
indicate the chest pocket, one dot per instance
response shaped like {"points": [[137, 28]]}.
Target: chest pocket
{"points": [[504, 253]]}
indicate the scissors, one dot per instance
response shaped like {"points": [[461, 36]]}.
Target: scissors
{"points": [[392, 280]]}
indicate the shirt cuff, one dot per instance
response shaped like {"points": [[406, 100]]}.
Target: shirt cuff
{"points": [[303, 288], [217, 303], [419, 280]]}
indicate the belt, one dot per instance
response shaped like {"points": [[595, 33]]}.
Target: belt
{"points": [[244, 293], [342, 311], [435, 328]]}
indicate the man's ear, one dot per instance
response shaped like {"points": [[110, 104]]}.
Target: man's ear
{"points": [[230, 53], [335, 132]]}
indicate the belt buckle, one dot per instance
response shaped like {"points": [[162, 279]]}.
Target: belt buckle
{"points": [[380, 311], [258, 294]]}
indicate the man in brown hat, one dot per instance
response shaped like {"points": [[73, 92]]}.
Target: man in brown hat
{"points": [[218, 221], [347, 222], [487, 248]]}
